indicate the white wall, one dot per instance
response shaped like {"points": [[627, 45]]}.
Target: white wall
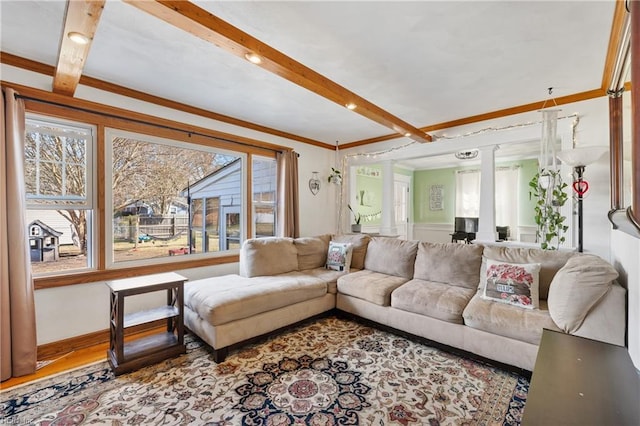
{"points": [[70, 311], [626, 259]]}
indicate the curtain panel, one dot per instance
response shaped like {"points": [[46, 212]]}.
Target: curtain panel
{"points": [[17, 313], [288, 221]]}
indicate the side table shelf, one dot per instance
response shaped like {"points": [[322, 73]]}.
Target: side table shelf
{"points": [[127, 356]]}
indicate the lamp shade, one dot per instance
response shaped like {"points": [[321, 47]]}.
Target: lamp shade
{"points": [[581, 156]]}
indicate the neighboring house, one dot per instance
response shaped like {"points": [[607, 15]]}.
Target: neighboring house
{"points": [[219, 195]]}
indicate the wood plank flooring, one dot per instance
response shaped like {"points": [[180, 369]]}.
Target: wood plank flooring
{"points": [[70, 361]]}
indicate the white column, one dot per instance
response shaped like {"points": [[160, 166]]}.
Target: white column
{"points": [[388, 217], [487, 216]]}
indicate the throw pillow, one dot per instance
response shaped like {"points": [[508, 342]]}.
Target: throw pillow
{"points": [[512, 283], [576, 288], [339, 256]]}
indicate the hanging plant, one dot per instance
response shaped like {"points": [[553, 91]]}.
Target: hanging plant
{"points": [[335, 176], [548, 189]]}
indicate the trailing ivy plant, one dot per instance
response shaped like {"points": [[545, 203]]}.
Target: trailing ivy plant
{"points": [[549, 190]]}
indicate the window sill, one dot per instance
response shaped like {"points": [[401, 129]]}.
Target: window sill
{"points": [[108, 274]]}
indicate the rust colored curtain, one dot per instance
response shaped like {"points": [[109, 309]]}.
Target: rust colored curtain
{"points": [[288, 222], [17, 315]]}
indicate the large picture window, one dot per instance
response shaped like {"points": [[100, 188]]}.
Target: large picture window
{"points": [[170, 198], [60, 194]]}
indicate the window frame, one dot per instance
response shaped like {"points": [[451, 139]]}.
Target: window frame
{"points": [[110, 134], [47, 104], [90, 204]]}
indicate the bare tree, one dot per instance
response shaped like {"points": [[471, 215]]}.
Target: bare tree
{"points": [[56, 174], [56, 170]]}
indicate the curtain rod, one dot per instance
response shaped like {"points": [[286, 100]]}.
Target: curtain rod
{"points": [[134, 120]]}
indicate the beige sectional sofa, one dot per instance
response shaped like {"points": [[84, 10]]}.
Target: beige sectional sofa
{"points": [[430, 290]]}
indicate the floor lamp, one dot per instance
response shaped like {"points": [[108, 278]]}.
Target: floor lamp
{"points": [[579, 158]]}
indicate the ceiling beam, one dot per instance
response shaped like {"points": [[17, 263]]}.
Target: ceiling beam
{"points": [[520, 109], [81, 21], [39, 67], [197, 21], [618, 46]]}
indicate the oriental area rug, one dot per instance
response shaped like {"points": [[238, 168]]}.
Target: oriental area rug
{"points": [[330, 371]]}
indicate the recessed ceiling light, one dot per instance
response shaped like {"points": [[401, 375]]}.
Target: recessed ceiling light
{"points": [[78, 38], [351, 106], [407, 134], [253, 58]]}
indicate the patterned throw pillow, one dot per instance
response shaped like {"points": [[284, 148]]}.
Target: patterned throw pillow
{"points": [[339, 256], [512, 283]]}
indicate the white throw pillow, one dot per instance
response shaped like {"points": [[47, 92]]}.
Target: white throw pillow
{"points": [[339, 256], [576, 288], [512, 283]]}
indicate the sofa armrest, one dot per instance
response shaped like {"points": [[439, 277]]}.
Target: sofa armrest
{"points": [[606, 321]]}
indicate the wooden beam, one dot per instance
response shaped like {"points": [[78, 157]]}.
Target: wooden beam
{"points": [[197, 21], [534, 106], [39, 67], [81, 20], [615, 39]]}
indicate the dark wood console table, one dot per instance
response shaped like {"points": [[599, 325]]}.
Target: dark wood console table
{"points": [[578, 381], [127, 356]]}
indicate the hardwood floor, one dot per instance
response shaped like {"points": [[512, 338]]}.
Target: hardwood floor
{"points": [[68, 361]]}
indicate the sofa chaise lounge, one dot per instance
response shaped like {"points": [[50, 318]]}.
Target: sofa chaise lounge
{"points": [[440, 292]]}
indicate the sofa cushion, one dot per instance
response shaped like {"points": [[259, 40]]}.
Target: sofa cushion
{"points": [[312, 251], [268, 256], [329, 276], [512, 283], [576, 288], [550, 262], [391, 257], [371, 286], [360, 243], [461, 268], [508, 321], [222, 299], [339, 256], [433, 299]]}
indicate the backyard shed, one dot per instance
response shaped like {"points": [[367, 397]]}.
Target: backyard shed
{"points": [[44, 242]]}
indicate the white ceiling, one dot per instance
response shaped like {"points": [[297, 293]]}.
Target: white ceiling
{"points": [[425, 62]]}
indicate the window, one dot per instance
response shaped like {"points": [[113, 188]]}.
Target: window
{"points": [[467, 193], [170, 198], [59, 191], [505, 195], [264, 196]]}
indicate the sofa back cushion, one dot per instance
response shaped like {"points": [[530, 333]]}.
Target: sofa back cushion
{"points": [[312, 251], [268, 256], [576, 288], [359, 243], [550, 262], [392, 257], [450, 263]]}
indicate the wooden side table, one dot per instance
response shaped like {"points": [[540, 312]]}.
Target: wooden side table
{"points": [[124, 357], [578, 381]]}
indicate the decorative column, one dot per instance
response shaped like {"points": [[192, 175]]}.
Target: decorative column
{"points": [[388, 217], [487, 216], [615, 148]]}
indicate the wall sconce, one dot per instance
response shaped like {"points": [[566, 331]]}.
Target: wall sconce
{"points": [[314, 183], [579, 158]]}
